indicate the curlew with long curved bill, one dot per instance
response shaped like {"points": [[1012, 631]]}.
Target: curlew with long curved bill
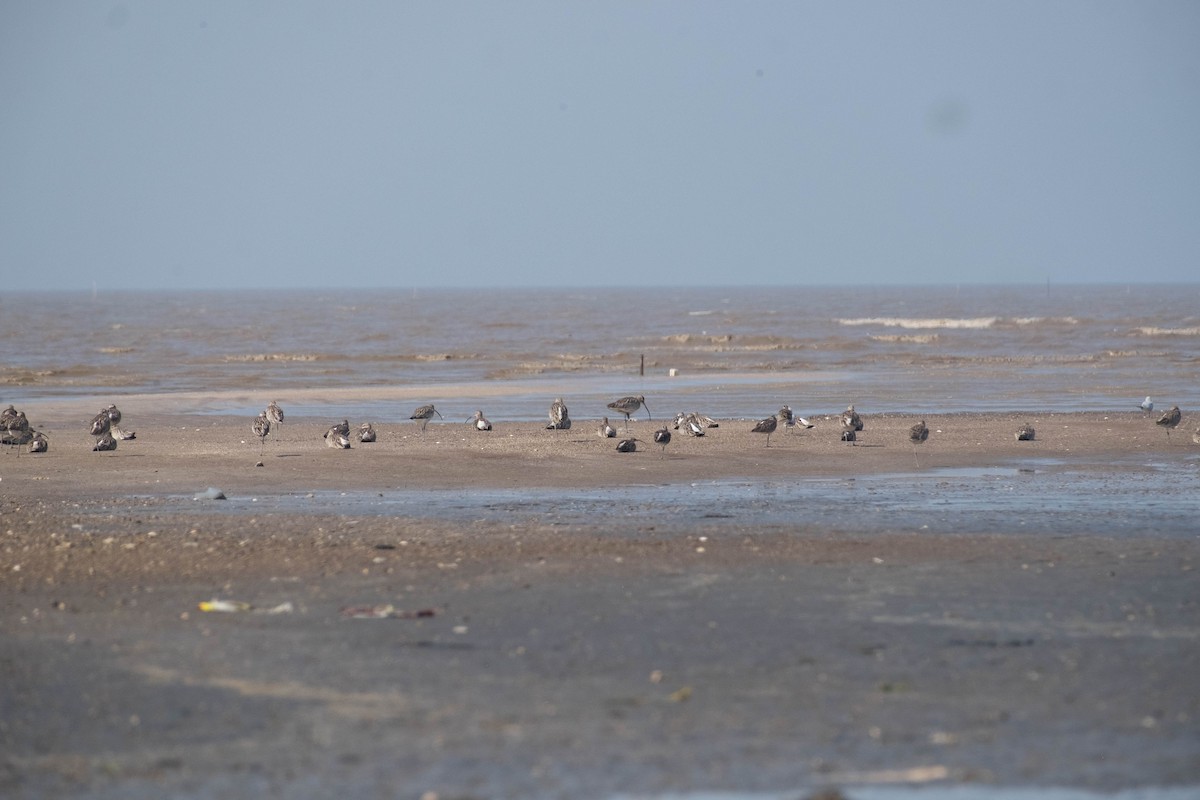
{"points": [[1170, 420], [366, 433], [560, 419], [425, 413], [336, 438], [627, 446], [105, 443], [766, 426], [481, 422], [628, 405]]}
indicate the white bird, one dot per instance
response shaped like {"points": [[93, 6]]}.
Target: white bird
{"points": [[1147, 405]]}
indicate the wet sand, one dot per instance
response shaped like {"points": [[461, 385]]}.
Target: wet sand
{"points": [[575, 660]]}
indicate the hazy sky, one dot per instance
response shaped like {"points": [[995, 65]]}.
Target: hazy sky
{"points": [[285, 144]]}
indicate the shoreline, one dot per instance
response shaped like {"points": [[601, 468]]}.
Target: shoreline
{"points": [[588, 658]]}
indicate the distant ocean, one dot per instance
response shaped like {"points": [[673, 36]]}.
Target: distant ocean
{"points": [[736, 352]]}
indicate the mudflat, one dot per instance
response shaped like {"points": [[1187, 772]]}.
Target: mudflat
{"points": [[415, 653]]}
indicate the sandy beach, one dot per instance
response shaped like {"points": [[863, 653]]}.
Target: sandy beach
{"points": [[527, 657]]}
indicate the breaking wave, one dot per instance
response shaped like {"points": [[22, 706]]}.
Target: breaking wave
{"points": [[921, 323], [1153, 331]]}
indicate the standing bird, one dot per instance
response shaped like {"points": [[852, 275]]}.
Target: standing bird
{"points": [[628, 405], [766, 426], [274, 413], [1170, 420], [917, 434], [560, 420], [1147, 405], [851, 420], [105, 443], [662, 436], [606, 431], [366, 433], [481, 422], [337, 438], [1025, 433], [425, 413], [20, 438], [261, 427], [627, 446]]}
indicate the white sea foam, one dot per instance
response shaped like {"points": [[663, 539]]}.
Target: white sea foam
{"points": [[1154, 331], [923, 323]]}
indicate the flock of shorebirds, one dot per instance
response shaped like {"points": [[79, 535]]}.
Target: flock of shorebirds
{"points": [[690, 423], [15, 430]]}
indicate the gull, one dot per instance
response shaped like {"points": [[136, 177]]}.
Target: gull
{"points": [[337, 438], [766, 426], [481, 422], [1025, 433], [1170, 420], [628, 405], [425, 413], [689, 423], [1147, 405], [606, 431], [790, 420], [366, 432], [663, 436], [560, 420]]}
